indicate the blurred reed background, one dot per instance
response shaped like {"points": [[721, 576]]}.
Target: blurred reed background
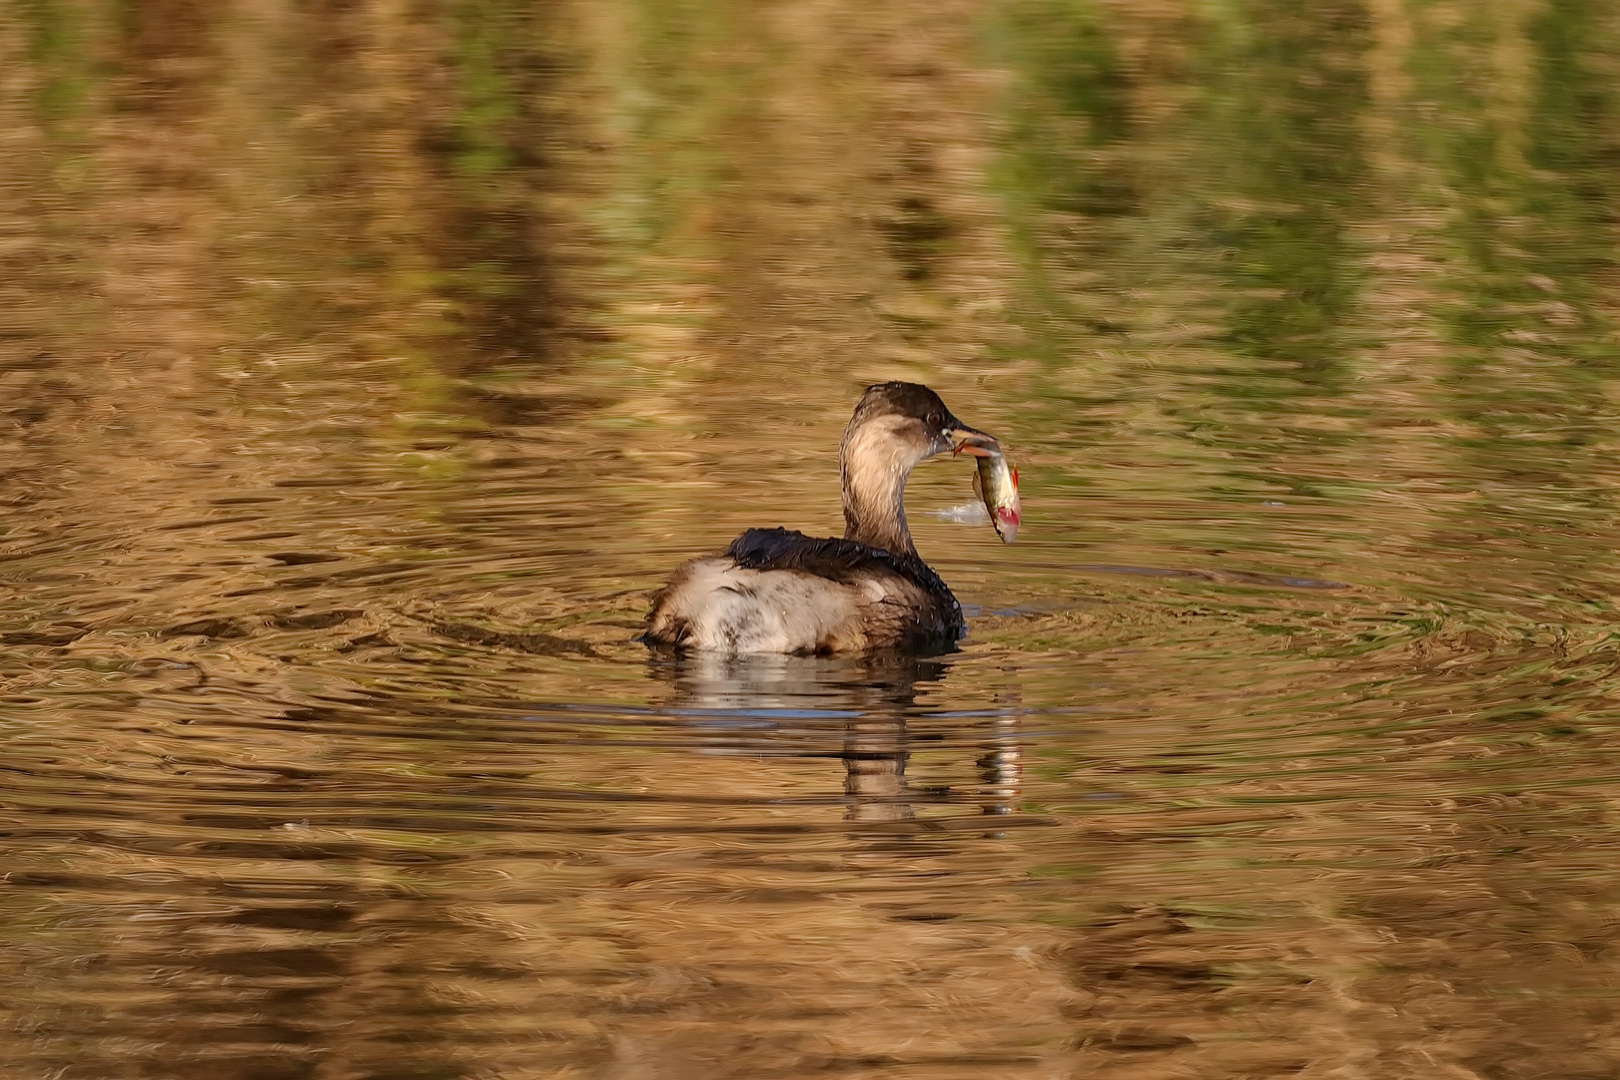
{"points": [[365, 363]]}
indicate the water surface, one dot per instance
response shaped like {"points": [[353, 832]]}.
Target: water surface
{"points": [[365, 367]]}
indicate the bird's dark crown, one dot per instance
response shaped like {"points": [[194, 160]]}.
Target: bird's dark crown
{"points": [[902, 399]]}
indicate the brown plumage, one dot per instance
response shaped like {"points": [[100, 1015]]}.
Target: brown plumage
{"points": [[778, 591]]}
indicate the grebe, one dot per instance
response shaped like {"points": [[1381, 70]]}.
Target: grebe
{"points": [[776, 591]]}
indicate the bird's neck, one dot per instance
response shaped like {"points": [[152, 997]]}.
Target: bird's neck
{"points": [[874, 477]]}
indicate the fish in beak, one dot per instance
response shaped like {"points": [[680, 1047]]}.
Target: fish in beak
{"points": [[995, 482]]}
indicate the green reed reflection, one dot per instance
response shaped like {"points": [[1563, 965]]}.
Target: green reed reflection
{"points": [[1524, 156], [490, 240], [1281, 133], [364, 366], [1242, 177], [56, 32]]}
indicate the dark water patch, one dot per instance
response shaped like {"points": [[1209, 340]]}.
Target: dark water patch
{"points": [[293, 558], [367, 368]]}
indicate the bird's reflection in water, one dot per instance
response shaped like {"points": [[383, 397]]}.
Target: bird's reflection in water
{"points": [[862, 710], [1001, 764]]}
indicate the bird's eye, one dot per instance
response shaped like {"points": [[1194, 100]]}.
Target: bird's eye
{"points": [[935, 420]]}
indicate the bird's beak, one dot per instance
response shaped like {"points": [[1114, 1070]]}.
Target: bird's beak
{"points": [[966, 440]]}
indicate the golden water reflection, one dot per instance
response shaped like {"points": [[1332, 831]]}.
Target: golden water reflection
{"points": [[364, 366]]}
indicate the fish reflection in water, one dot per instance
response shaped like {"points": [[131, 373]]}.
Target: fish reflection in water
{"points": [[857, 709]]}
